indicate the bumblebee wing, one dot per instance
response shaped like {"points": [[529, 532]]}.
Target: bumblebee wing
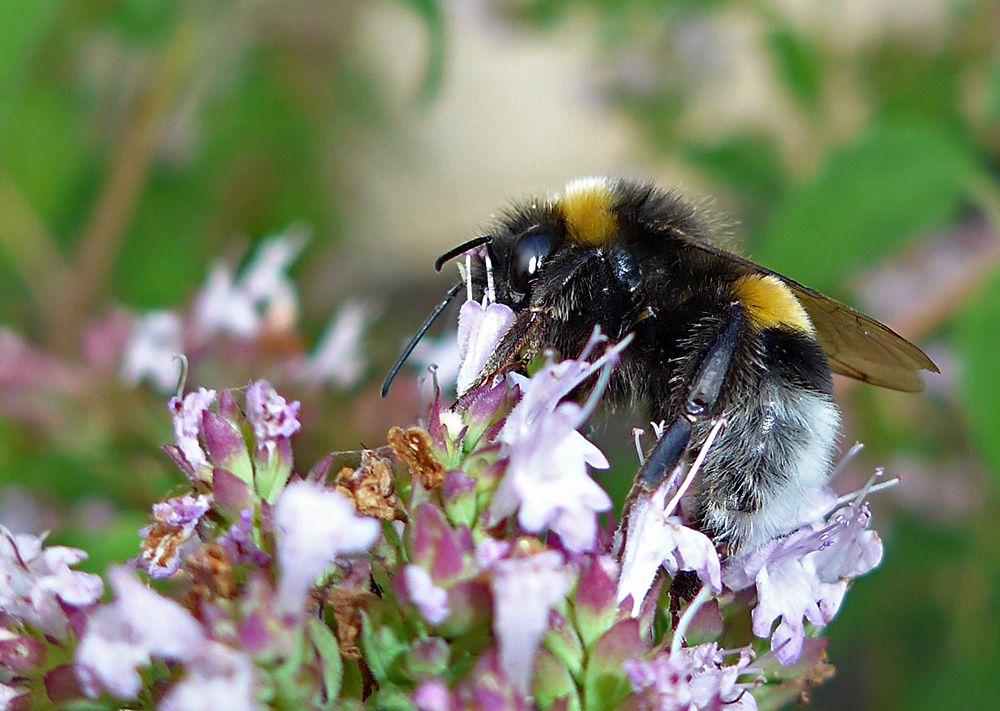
{"points": [[861, 347], [857, 346]]}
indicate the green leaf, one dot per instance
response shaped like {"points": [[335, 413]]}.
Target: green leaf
{"points": [[977, 332], [328, 649], [564, 643], [552, 681], [431, 14], [289, 689], [868, 199], [606, 684], [384, 651], [390, 700], [747, 164], [798, 64], [24, 26]]}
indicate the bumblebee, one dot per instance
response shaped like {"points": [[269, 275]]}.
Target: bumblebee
{"points": [[714, 335]]}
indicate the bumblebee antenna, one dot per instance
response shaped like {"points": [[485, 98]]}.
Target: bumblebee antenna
{"points": [[460, 249], [452, 293]]}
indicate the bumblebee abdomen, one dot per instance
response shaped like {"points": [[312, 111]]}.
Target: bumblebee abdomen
{"points": [[768, 466], [767, 470]]}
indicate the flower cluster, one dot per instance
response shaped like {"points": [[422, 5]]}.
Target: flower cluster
{"points": [[259, 303], [467, 565]]}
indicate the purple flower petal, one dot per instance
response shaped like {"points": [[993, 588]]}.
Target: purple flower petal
{"points": [[218, 679], [160, 624], [692, 678], [239, 543], [187, 414], [480, 329], [804, 576], [37, 584], [420, 590], [433, 695], [126, 634], [655, 540], [108, 658], [547, 481]]}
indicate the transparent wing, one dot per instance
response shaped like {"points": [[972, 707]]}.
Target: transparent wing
{"points": [[861, 347]]}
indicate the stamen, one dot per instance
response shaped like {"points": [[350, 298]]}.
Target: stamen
{"points": [[682, 624], [638, 432], [856, 497], [596, 337], [182, 379], [491, 295], [845, 460], [764, 658], [466, 275], [606, 363], [693, 472], [433, 367]]}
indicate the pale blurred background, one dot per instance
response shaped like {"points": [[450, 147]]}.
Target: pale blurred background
{"points": [[147, 147]]}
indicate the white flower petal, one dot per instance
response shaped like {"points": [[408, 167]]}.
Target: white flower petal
{"points": [[315, 525], [524, 592]]}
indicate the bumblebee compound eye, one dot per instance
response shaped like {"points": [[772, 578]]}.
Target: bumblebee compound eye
{"points": [[527, 258]]}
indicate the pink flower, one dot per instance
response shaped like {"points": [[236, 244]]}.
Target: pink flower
{"points": [[692, 678], [433, 695], [263, 298], [315, 526], [420, 589], [480, 328], [174, 522], [524, 592], [337, 357], [547, 480], [187, 415], [805, 576], [548, 484], [270, 414], [218, 678], [125, 635], [155, 340], [656, 540], [37, 584]]}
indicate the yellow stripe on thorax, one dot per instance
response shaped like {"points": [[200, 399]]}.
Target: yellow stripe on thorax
{"points": [[769, 303], [586, 208]]}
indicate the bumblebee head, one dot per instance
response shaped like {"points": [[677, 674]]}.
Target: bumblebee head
{"points": [[537, 248], [556, 255]]}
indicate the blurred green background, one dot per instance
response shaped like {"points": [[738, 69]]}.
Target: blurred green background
{"points": [[852, 144]]}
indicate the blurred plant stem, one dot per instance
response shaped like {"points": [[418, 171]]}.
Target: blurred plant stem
{"points": [[31, 250], [101, 239], [103, 235]]}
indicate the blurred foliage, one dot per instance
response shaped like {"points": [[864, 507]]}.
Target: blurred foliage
{"points": [[139, 137]]}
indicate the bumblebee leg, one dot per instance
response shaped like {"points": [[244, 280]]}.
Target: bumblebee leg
{"points": [[702, 399], [666, 455]]}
